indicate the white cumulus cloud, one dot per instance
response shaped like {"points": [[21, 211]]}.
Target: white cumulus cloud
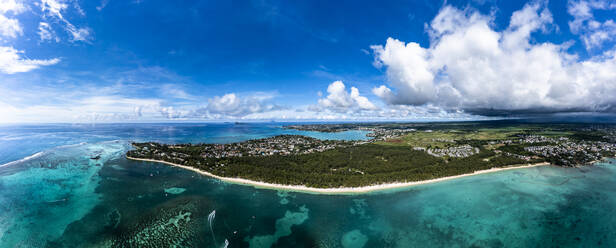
{"points": [[233, 106], [471, 66], [593, 33], [12, 61], [10, 26], [14, 6], [338, 99]]}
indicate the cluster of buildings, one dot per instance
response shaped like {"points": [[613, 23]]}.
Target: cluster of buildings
{"points": [[523, 157], [380, 134], [292, 144], [278, 145], [610, 134], [531, 139], [570, 153], [158, 151], [377, 132], [561, 150], [453, 152]]}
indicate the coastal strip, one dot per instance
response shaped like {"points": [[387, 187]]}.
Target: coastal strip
{"points": [[341, 190]]}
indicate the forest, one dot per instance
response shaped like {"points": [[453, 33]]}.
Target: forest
{"points": [[299, 160]]}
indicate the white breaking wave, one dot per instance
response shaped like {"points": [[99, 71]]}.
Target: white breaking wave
{"points": [[39, 154], [70, 145], [36, 155]]}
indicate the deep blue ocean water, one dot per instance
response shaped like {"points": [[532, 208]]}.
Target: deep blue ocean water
{"points": [[62, 198]]}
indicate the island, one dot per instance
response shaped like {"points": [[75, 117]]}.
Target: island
{"points": [[397, 154]]}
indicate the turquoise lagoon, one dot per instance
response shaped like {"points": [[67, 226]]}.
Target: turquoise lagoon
{"points": [[63, 198]]}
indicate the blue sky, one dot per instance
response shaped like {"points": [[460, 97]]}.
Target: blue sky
{"points": [[148, 60]]}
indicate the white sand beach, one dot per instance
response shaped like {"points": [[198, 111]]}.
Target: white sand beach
{"points": [[342, 190]]}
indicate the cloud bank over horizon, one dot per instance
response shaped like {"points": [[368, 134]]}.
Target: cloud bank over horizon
{"points": [[470, 66], [64, 61]]}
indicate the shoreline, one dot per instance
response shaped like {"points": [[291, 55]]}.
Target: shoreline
{"points": [[341, 190]]}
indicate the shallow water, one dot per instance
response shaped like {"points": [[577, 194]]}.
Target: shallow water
{"points": [[63, 198]]}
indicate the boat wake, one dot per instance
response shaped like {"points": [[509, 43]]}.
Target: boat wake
{"points": [[210, 220]]}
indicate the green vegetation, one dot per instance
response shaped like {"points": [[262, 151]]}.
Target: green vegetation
{"points": [[357, 166], [398, 153], [448, 138]]}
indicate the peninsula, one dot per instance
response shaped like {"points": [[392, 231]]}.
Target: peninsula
{"points": [[398, 155]]}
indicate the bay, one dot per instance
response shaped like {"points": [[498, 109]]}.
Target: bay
{"points": [[63, 198]]}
